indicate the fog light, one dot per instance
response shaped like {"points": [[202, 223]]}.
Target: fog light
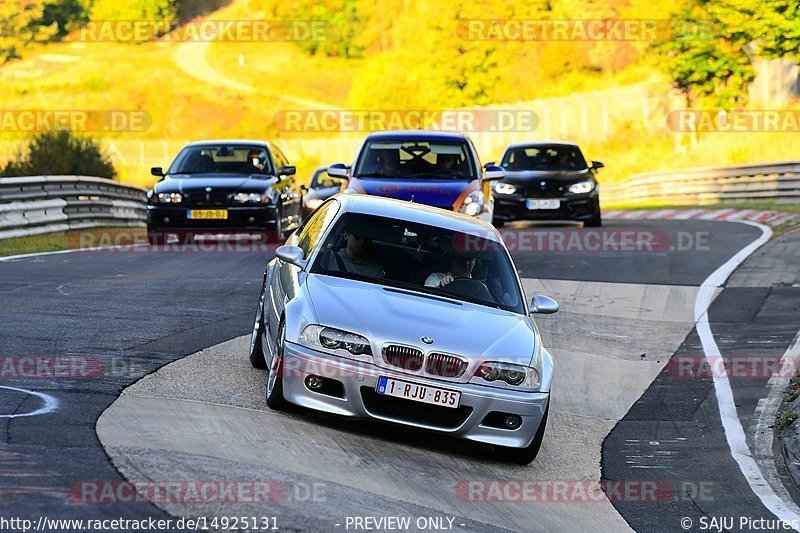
{"points": [[166, 220], [314, 382], [512, 421], [251, 219]]}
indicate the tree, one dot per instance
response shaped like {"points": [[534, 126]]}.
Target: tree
{"points": [[61, 153], [709, 53]]}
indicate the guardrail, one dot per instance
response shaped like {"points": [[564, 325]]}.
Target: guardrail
{"points": [[47, 204], [769, 182]]}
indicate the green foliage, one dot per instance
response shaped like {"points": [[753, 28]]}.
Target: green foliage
{"points": [[152, 10], [65, 14], [710, 51], [60, 153], [20, 25]]}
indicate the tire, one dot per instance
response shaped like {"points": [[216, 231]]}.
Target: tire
{"points": [[525, 456], [497, 223], [257, 358], [597, 218], [153, 237], [274, 394]]}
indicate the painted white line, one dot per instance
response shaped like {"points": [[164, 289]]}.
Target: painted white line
{"points": [[732, 426], [72, 250], [50, 403], [766, 410]]}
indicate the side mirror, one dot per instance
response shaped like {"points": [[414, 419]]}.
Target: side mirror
{"points": [[542, 305], [157, 171], [288, 170], [292, 255], [304, 188], [597, 165], [337, 170], [493, 172]]}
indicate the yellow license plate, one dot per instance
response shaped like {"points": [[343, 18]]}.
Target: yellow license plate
{"points": [[206, 214]]}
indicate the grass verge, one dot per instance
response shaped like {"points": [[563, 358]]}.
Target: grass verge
{"points": [[71, 240]]}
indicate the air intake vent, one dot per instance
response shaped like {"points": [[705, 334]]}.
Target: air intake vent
{"points": [[448, 366], [403, 357]]}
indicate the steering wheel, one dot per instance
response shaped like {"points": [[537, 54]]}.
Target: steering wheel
{"points": [[469, 288]]}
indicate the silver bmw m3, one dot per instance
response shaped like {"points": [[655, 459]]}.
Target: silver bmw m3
{"points": [[388, 310]]}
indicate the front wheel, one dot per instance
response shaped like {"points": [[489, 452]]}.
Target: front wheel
{"points": [[525, 456], [256, 342], [597, 218], [498, 223], [275, 399]]}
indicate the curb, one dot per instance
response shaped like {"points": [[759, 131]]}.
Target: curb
{"points": [[771, 218]]}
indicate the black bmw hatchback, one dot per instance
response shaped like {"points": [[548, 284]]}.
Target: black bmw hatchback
{"points": [[547, 181], [236, 186]]}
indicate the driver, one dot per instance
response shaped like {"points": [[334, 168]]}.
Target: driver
{"points": [[257, 159], [445, 163], [460, 267], [358, 255]]}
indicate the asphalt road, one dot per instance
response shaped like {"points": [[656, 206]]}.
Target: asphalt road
{"points": [[137, 311]]}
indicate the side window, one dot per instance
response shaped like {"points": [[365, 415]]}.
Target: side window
{"points": [[312, 229], [280, 159]]}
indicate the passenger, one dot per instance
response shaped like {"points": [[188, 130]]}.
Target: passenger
{"points": [[461, 267]]}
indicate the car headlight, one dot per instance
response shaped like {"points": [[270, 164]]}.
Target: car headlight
{"points": [[168, 198], [504, 188], [496, 374], [332, 340], [250, 198], [473, 204], [313, 203], [582, 187]]}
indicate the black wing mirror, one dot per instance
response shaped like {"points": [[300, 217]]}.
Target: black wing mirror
{"points": [[288, 170], [157, 171]]}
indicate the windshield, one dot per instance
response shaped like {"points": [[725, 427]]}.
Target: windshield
{"points": [[422, 258], [322, 180], [544, 157], [416, 159], [222, 159]]}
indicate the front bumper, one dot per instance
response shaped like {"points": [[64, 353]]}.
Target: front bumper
{"points": [[170, 218], [359, 400], [512, 207]]}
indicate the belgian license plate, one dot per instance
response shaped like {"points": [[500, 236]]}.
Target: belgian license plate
{"points": [[417, 392], [543, 204], [208, 214]]}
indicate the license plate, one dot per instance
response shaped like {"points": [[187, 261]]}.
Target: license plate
{"points": [[417, 392], [543, 204], [206, 214]]}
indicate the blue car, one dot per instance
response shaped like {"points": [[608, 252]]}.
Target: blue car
{"points": [[426, 167]]}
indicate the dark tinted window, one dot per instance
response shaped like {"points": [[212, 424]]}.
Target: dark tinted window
{"points": [[416, 159], [313, 228], [422, 258], [544, 157], [222, 159]]}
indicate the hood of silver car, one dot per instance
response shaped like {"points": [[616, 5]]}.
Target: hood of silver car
{"points": [[388, 315]]}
